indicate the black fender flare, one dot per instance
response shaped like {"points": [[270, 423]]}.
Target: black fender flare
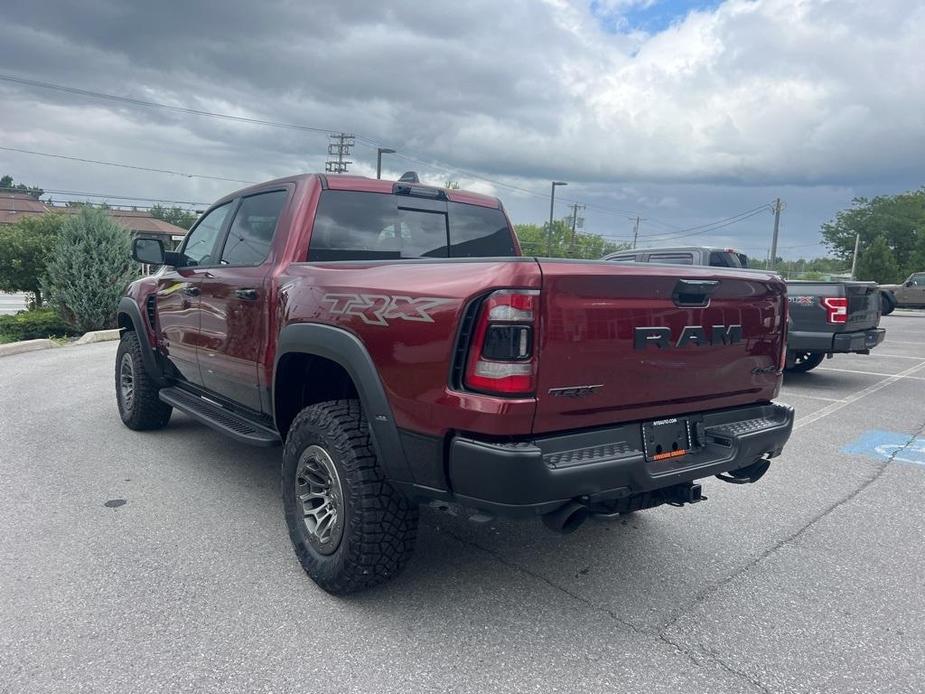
{"points": [[346, 349], [130, 309]]}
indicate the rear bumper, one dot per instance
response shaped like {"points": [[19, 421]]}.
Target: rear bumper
{"points": [[539, 476], [857, 341]]}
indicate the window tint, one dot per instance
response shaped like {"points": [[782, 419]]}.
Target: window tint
{"points": [[352, 225], [478, 232], [253, 227], [624, 259], [200, 242], [672, 258], [918, 280]]}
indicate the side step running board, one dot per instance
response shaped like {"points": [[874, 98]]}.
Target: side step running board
{"points": [[230, 423]]}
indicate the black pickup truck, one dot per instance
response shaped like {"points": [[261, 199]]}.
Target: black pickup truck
{"points": [[826, 318]]}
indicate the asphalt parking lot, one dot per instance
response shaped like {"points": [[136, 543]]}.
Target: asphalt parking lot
{"points": [[809, 581]]}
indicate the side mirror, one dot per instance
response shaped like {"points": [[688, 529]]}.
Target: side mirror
{"points": [[148, 251], [910, 283], [151, 252]]}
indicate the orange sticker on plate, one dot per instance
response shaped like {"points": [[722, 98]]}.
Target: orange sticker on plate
{"points": [[669, 454]]}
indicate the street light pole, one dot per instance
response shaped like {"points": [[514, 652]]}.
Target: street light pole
{"points": [[379, 152], [854, 257], [552, 206]]}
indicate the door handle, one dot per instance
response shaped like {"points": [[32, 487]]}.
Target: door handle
{"points": [[246, 294], [190, 290]]}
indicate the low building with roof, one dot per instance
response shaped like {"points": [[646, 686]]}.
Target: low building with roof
{"points": [[14, 205]]}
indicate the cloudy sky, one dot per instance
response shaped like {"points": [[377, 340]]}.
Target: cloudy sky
{"points": [[681, 112]]}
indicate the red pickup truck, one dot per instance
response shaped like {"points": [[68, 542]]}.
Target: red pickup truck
{"points": [[392, 338]]}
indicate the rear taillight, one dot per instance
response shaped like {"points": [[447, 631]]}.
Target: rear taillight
{"points": [[783, 346], [501, 356], [837, 308]]}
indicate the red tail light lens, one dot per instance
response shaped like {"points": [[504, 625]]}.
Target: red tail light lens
{"points": [[501, 356], [837, 308]]}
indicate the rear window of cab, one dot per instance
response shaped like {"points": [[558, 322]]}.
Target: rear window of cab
{"points": [[352, 225]]}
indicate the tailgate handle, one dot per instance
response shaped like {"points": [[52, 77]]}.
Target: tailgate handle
{"points": [[693, 292]]}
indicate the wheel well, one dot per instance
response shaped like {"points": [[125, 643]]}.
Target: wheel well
{"points": [[305, 379], [125, 322]]}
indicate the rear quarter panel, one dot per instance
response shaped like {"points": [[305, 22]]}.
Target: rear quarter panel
{"points": [[407, 313]]}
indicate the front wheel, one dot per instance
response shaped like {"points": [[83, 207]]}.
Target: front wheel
{"points": [[801, 362], [136, 392], [349, 527]]}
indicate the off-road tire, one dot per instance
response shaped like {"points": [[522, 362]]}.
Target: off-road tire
{"points": [[805, 361], [145, 410], [379, 524]]}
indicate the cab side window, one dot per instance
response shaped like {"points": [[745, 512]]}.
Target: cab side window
{"points": [[200, 242], [252, 230]]}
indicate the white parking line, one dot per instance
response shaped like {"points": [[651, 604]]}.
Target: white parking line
{"points": [[798, 394], [893, 356], [870, 390], [873, 373]]}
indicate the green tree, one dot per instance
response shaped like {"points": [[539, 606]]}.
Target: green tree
{"points": [[24, 250], [174, 215], [6, 183], [878, 264], [898, 219], [89, 267], [562, 244]]}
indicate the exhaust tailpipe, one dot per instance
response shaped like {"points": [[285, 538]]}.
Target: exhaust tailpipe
{"points": [[566, 519]]}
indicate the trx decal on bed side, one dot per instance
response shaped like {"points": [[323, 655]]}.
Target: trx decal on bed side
{"points": [[379, 309]]}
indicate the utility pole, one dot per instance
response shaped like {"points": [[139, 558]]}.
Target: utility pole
{"points": [[552, 208], [339, 147], [637, 219], [776, 208], [577, 222], [854, 258]]}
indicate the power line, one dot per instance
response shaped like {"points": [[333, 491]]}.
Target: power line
{"points": [[124, 166], [81, 194], [296, 126], [155, 104]]}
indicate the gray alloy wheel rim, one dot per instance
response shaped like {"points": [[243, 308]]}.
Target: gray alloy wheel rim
{"points": [[127, 381], [319, 491]]}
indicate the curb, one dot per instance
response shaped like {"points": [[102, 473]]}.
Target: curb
{"points": [[25, 346], [98, 336], [11, 348]]}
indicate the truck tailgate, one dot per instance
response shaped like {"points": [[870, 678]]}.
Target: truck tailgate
{"points": [[631, 342], [863, 306]]}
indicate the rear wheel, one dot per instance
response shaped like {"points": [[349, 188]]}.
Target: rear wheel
{"points": [[136, 392], [887, 304], [349, 527], [801, 362]]}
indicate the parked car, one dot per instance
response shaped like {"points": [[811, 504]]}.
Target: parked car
{"points": [[826, 318], [391, 337], [909, 294]]}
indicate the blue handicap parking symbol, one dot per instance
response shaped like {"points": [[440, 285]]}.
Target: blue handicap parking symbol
{"points": [[886, 444]]}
